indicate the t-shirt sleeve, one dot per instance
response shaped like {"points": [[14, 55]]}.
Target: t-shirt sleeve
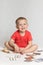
{"points": [[13, 36], [29, 37]]}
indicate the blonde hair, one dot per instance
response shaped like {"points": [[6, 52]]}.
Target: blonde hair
{"points": [[20, 18]]}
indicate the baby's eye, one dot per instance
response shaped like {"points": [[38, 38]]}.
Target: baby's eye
{"points": [[20, 24], [24, 24]]}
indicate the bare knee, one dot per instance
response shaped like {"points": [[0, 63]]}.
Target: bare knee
{"points": [[6, 43], [35, 46]]}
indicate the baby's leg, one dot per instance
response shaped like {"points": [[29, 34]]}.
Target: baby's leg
{"points": [[31, 49], [8, 46]]}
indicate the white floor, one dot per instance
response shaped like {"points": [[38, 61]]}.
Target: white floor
{"points": [[17, 59]]}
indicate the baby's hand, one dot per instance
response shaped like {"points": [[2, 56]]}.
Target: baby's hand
{"points": [[21, 50]]}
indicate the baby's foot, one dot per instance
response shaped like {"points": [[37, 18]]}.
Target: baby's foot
{"points": [[5, 50]]}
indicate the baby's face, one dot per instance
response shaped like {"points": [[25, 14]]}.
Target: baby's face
{"points": [[22, 25]]}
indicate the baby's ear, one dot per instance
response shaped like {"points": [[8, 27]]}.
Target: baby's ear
{"points": [[17, 26]]}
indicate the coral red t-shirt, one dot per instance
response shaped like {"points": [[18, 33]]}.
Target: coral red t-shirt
{"points": [[21, 41]]}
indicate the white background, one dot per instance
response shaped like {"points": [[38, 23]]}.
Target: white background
{"points": [[12, 9]]}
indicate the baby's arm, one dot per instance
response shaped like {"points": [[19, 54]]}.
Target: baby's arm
{"points": [[14, 45], [11, 42], [29, 45]]}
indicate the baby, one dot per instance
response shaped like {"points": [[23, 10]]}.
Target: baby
{"points": [[21, 39]]}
